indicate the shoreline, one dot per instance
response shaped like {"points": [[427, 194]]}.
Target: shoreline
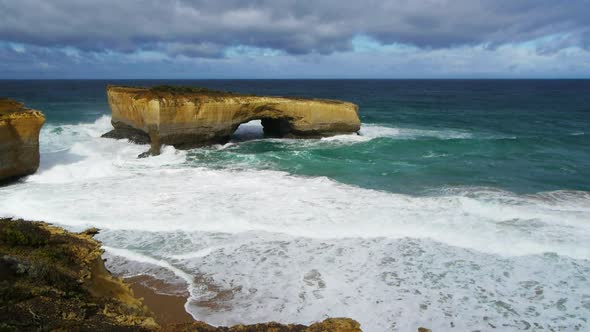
{"points": [[167, 308], [53, 279]]}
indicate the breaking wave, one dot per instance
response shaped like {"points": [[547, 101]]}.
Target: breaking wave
{"points": [[290, 248]]}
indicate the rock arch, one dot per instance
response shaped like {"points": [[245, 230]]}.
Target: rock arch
{"points": [[191, 117]]}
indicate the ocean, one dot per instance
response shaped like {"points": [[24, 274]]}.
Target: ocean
{"points": [[462, 205]]}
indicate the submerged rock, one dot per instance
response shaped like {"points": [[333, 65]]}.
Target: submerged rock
{"points": [[192, 117], [19, 139], [51, 279]]}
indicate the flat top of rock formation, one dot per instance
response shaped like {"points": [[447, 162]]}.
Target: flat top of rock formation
{"points": [[168, 91], [10, 108], [9, 105]]}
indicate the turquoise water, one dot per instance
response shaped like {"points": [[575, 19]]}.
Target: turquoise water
{"points": [[461, 205], [521, 136]]}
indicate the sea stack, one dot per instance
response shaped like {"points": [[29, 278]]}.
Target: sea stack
{"points": [[19, 139], [190, 117]]}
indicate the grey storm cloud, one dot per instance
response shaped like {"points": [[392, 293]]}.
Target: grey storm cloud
{"points": [[205, 28]]}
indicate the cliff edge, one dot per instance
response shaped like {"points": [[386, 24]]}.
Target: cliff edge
{"points": [[51, 279], [190, 117], [19, 139]]}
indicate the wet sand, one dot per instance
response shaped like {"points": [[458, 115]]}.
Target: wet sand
{"points": [[166, 308]]}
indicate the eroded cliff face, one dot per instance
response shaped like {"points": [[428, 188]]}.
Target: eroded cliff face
{"points": [[189, 117], [19, 139]]}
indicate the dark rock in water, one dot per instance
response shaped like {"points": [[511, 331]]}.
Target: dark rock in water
{"points": [[148, 153], [92, 231], [123, 131], [51, 279], [19, 139]]}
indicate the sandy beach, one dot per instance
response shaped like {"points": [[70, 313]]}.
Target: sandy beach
{"points": [[166, 308]]}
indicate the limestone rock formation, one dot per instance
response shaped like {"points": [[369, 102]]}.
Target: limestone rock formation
{"points": [[19, 139], [191, 117]]}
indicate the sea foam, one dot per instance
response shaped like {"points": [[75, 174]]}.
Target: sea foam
{"points": [[296, 249]]}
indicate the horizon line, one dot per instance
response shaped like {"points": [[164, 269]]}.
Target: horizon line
{"points": [[307, 78]]}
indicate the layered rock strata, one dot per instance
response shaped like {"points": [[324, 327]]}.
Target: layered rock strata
{"points": [[192, 117], [19, 139]]}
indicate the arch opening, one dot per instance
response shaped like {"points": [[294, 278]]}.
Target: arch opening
{"points": [[276, 127], [261, 128], [248, 131]]}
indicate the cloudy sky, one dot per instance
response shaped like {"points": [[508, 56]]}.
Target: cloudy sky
{"points": [[294, 39]]}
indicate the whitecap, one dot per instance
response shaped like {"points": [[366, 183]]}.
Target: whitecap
{"points": [[294, 248], [376, 131]]}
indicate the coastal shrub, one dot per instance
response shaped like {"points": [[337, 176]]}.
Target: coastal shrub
{"points": [[57, 253], [7, 328], [11, 292], [49, 274], [23, 233]]}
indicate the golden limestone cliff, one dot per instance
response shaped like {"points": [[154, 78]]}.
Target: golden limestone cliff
{"points": [[55, 280], [19, 139], [191, 117]]}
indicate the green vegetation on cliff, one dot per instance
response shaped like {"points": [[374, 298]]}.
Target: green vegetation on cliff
{"points": [[51, 279], [187, 89]]}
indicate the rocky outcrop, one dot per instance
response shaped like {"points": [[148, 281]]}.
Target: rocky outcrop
{"points": [[55, 280], [51, 279], [191, 117], [19, 139], [328, 325]]}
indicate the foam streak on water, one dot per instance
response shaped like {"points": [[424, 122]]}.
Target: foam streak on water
{"points": [[256, 245]]}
